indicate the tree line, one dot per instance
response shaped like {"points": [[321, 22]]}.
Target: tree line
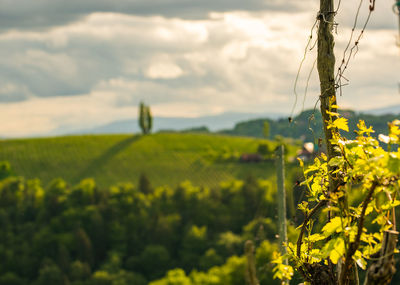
{"points": [[126, 234]]}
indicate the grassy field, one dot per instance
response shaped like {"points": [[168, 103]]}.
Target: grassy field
{"points": [[166, 159]]}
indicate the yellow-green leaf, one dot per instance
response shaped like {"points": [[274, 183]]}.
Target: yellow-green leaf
{"points": [[315, 237], [396, 122], [300, 162], [341, 124], [338, 251], [390, 205], [335, 161], [333, 114], [334, 225], [360, 260]]}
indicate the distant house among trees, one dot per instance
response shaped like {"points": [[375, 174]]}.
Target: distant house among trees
{"points": [[307, 151], [251, 157]]}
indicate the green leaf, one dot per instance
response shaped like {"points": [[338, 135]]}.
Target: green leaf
{"points": [[300, 162], [333, 114], [341, 124], [316, 188], [363, 128], [394, 163], [360, 260], [377, 236], [351, 232], [390, 205], [331, 209], [369, 209], [335, 161], [338, 251], [315, 238], [303, 206], [335, 225]]}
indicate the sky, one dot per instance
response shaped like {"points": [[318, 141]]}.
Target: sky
{"points": [[77, 64]]}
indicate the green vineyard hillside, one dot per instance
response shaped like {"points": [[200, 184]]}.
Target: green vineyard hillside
{"points": [[164, 158]]}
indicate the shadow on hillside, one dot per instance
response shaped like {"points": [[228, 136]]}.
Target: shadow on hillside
{"points": [[96, 163]]}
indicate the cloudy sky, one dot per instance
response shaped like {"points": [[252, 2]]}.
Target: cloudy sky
{"points": [[83, 63]]}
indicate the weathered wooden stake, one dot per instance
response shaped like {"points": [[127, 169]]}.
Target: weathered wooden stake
{"points": [[383, 268], [280, 167], [326, 69], [251, 274]]}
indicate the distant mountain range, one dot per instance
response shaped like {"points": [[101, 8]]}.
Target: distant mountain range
{"points": [[394, 110], [213, 123], [234, 123]]}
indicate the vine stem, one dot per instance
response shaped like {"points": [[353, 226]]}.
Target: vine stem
{"points": [[343, 278], [321, 204]]}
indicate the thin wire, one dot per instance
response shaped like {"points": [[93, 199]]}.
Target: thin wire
{"points": [[345, 62], [338, 6], [361, 34], [314, 44], [396, 10], [398, 40], [307, 84], [312, 118], [349, 42], [381, 257], [340, 85], [300, 67]]}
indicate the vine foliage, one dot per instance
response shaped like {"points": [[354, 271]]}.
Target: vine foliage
{"points": [[361, 229]]}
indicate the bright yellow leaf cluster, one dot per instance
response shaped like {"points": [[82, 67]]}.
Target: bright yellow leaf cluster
{"points": [[361, 208]]}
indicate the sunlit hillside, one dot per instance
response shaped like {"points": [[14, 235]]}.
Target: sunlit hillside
{"points": [[166, 159]]}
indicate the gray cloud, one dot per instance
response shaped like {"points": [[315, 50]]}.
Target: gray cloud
{"points": [[250, 55], [381, 18], [43, 14], [74, 59], [28, 14], [47, 70]]}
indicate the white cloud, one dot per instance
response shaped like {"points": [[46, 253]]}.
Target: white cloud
{"points": [[161, 69], [40, 116], [101, 66]]}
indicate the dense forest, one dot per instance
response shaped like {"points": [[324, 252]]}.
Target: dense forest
{"points": [[85, 235]]}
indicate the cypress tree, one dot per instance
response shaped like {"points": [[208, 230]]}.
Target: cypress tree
{"points": [[149, 118], [142, 122], [145, 118]]}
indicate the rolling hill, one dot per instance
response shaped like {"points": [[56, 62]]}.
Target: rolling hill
{"points": [[165, 158]]}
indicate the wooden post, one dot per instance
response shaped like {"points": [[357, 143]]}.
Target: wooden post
{"points": [[383, 268], [326, 69], [280, 167], [251, 275], [326, 72]]}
